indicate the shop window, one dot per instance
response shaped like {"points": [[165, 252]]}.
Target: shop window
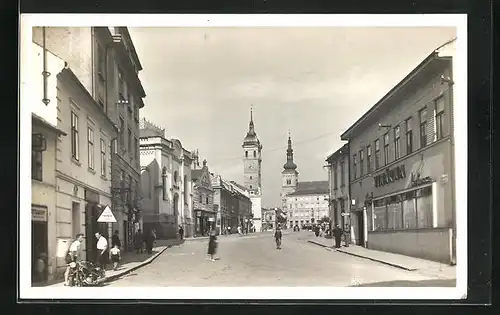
{"points": [[369, 159], [424, 207], [394, 213], [386, 148], [377, 153], [397, 150], [423, 127], [409, 214], [380, 215], [439, 117], [361, 158], [409, 136]]}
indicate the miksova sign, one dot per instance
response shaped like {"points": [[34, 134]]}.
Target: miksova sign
{"points": [[390, 175]]}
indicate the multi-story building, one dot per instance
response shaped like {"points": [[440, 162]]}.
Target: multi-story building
{"points": [[401, 164], [307, 204], [252, 171], [203, 200], [245, 205], [338, 178], [82, 160], [104, 61], [166, 183]]}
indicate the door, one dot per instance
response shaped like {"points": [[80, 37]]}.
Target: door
{"points": [[361, 229], [38, 247]]}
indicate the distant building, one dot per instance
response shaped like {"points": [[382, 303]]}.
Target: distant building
{"points": [[252, 171], [308, 204], [402, 164], [203, 201], [166, 183]]}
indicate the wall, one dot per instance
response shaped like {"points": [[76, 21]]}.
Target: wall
{"points": [[431, 244]]}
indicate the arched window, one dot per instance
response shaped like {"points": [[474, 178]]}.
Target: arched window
{"points": [[176, 177], [146, 182], [246, 153], [164, 183], [186, 189]]}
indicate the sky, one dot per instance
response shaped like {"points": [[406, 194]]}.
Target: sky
{"points": [[316, 82]]}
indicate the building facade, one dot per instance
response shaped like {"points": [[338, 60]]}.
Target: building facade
{"points": [[252, 170], [104, 61], [166, 183], [401, 165], [203, 201], [308, 204], [338, 178]]}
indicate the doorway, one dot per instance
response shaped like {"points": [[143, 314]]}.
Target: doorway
{"points": [[39, 245], [361, 229]]}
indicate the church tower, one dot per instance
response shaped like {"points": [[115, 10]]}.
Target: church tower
{"points": [[252, 160], [289, 175]]}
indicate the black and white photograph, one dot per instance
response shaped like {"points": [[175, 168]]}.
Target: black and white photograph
{"points": [[243, 156]]}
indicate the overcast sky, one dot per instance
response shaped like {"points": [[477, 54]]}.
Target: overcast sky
{"points": [[200, 83]]}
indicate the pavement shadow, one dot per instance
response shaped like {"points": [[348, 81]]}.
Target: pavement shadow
{"points": [[407, 283]]}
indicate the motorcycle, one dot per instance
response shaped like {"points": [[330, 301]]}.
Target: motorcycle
{"points": [[85, 273]]}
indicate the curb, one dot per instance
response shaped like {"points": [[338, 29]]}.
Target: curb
{"points": [[366, 257], [124, 272]]}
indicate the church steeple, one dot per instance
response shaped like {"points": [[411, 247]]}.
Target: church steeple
{"points": [[251, 137], [289, 165]]}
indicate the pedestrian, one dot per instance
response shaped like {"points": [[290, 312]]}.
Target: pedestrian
{"points": [[181, 232], [239, 230], [139, 241], [102, 250], [115, 256], [72, 256], [150, 239], [212, 246], [337, 233], [277, 237], [41, 267], [115, 240], [316, 230]]}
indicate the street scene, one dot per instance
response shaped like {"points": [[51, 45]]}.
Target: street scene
{"points": [[166, 157]]}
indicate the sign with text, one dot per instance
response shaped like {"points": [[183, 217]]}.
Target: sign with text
{"points": [[39, 214], [390, 176], [107, 216]]}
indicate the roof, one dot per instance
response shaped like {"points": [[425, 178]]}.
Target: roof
{"points": [[344, 150], [431, 57], [238, 185], [37, 119], [311, 188]]}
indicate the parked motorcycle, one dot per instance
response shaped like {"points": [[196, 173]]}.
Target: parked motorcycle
{"points": [[85, 273]]}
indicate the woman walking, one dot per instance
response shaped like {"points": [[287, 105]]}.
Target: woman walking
{"points": [[212, 246]]}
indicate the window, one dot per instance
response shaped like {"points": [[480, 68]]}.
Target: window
{"points": [[354, 165], [250, 177], [90, 136], [201, 199], [122, 133], [439, 118], [423, 127], [335, 177], [206, 200], [101, 62], [250, 186], [254, 153], [288, 181], [130, 190], [369, 159], [397, 151], [74, 136], [377, 154], [121, 86], [342, 179], [409, 137], [103, 158], [246, 153], [386, 148], [164, 182], [361, 158], [136, 113], [130, 141], [130, 104], [136, 148], [36, 162]]}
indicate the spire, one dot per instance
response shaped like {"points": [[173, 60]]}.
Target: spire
{"points": [[251, 128], [251, 137], [289, 165]]}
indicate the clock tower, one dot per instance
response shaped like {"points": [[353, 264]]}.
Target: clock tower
{"points": [[252, 160], [289, 175]]}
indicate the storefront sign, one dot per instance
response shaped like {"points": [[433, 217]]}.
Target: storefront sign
{"points": [[39, 214], [390, 176]]}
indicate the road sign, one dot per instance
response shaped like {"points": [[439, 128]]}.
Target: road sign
{"points": [[344, 214], [107, 216]]}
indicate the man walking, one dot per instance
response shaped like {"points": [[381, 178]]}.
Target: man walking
{"points": [[277, 237], [337, 233], [102, 247], [181, 232]]}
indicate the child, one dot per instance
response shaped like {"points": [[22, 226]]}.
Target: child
{"points": [[115, 256]]}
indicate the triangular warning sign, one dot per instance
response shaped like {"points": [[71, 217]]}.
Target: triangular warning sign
{"points": [[107, 216]]}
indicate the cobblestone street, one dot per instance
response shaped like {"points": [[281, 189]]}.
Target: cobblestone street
{"points": [[253, 260]]}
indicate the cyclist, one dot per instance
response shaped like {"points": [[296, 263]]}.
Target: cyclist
{"points": [[277, 237]]}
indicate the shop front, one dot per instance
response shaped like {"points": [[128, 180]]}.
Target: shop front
{"points": [[205, 222], [39, 243]]}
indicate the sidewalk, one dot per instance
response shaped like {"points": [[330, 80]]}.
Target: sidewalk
{"points": [[422, 266], [130, 262]]}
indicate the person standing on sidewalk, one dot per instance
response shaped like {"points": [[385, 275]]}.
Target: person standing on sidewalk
{"points": [[138, 241], [181, 232], [72, 256], [337, 233], [212, 245], [277, 237], [115, 240], [150, 239], [102, 249]]}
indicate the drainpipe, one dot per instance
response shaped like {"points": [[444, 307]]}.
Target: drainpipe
{"points": [[45, 73]]}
